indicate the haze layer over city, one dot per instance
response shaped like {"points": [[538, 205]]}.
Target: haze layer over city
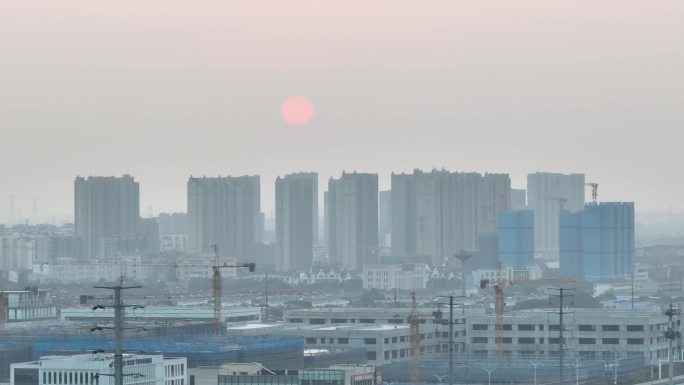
{"points": [[341, 193]]}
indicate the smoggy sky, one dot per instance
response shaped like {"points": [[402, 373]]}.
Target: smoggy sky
{"points": [[165, 89]]}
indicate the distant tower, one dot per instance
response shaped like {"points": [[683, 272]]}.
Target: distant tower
{"points": [[12, 211], [226, 212], [353, 220], [35, 210], [296, 220], [105, 208]]}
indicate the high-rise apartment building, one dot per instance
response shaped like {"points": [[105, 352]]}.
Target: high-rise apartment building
{"points": [[598, 242], [385, 218], [224, 211], [547, 195], [518, 199], [296, 220], [516, 238], [353, 220], [106, 211], [441, 213]]}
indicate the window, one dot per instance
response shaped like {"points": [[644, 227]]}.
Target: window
{"points": [[610, 328], [526, 340], [505, 340], [343, 341], [369, 341], [610, 341], [295, 320], [480, 326], [635, 328], [505, 327], [367, 321], [635, 341], [526, 327], [395, 321], [370, 356], [339, 320], [479, 340], [587, 341], [554, 328], [322, 341], [541, 327], [310, 341], [395, 340], [387, 353], [386, 340], [587, 328], [541, 340], [402, 339]]}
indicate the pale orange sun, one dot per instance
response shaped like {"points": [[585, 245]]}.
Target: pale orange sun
{"points": [[297, 110]]}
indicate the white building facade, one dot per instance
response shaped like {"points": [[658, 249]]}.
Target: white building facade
{"points": [[407, 276], [98, 369]]}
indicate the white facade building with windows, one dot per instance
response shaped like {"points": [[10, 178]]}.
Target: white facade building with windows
{"points": [[407, 276], [97, 369], [589, 334]]}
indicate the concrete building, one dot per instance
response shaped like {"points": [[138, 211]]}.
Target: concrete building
{"points": [[383, 343], [97, 369], [509, 273], [106, 208], [589, 334], [547, 195], [18, 251], [26, 305], [441, 213], [296, 220], [226, 212], [257, 374], [407, 276], [385, 218], [598, 242], [516, 238], [229, 315], [353, 220], [518, 199]]}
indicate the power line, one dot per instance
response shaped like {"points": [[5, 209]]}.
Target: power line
{"points": [[561, 295]]}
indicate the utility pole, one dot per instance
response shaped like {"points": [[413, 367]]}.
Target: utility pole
{"points": [[671, 334], [118, 328], [561, 295], [451, 334], [266, 307]]}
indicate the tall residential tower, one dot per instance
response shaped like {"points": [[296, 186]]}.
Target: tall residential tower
{"points": [[106, 211], [296, 220], [353, 220], [224, 211]]}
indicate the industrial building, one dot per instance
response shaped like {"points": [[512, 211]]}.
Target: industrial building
{"points": [[588, 335], [26, 305], [97, 369]]}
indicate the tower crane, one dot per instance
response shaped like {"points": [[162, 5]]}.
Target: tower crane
{"points": [[594, 191], [216, 277], [561, 201], [499, 303]]}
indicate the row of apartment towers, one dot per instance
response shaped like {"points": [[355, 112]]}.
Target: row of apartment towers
{"points": [[428, 214]]}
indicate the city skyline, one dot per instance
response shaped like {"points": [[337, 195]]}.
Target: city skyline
{"points": [[462, 85]]}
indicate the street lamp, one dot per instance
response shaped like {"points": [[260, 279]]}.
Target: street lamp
{"points": [[535, 364], [615, 356], [439, 378], [489, 374]]}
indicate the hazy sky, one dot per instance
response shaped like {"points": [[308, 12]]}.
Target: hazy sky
{"points": [[165, 89]]}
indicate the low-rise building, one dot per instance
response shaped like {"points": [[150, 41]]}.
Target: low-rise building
{"points": [[588, 334], [405, 276], [98, 368], [26, 305]]}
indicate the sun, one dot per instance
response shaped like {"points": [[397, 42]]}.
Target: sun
{"points": [[297, 110]]}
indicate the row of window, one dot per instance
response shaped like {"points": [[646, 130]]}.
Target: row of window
{"points": [[69, 378], [582, 328], [582, 341], [321, 321]]}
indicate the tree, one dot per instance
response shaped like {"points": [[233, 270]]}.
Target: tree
{"points": [[369, 297]]}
